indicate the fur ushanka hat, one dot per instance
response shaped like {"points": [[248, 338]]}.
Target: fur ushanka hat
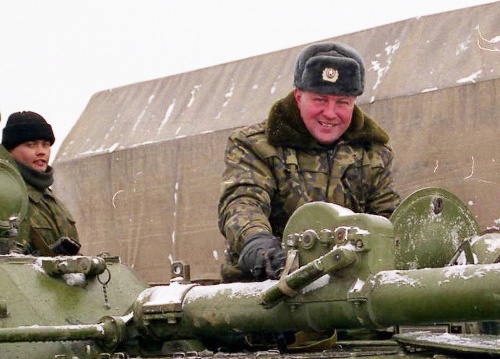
{"points": [[330, 68]]}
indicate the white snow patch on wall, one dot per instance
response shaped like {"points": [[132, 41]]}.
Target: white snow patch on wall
{"points": [[275, 85], [229, 95], [471, 78], [176, 196], [193, 92], [142, 144], [139, 119], [99, 150], [463, 46], [170, 109], [382, 70], [495, 39], [429, 89], [113, 147]]}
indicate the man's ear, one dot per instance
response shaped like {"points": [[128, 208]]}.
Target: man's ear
{"points": [[297, 94]]}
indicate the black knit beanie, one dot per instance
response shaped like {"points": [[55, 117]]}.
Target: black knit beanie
{"points": [[26, 126]]}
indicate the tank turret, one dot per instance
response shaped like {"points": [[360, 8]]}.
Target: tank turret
{"points": [[344, 271]]}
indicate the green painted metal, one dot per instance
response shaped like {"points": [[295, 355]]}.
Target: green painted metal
{"points": [[38, 333], [13, 196], [344, 277], [435, 295], [316, 227], [486, 248], [486, 345], [36, 301], [290, 286], [219, 312], [430, 225], [365, 292]]}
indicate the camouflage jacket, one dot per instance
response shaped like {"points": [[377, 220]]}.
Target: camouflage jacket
{"points": [[276, 166], [48, 218]]}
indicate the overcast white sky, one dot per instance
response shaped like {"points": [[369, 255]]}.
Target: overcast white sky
{"points": [[55, 54]]}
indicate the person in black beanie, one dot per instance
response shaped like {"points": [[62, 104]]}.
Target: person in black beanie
{"points": [[51, 230]]}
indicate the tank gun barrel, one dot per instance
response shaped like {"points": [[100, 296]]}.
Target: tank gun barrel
{"points": [[395, 297], [109, 332], [39, 333]]}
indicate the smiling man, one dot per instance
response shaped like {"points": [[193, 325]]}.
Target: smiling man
{"points": [[52, 231], [316, 145]]}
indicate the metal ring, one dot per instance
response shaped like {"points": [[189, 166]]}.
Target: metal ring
{"points": [[109, 277]]}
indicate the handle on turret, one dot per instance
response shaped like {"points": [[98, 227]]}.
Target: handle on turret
{"points": [[289, 286]]}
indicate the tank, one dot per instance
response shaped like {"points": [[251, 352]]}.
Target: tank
{"points": [[354, 284], [14, 201]]}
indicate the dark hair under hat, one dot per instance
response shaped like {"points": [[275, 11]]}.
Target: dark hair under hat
{"points": [[26, 126], [330, 68]]}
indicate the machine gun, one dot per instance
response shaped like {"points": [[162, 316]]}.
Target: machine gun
{"points": [[345, 270]]}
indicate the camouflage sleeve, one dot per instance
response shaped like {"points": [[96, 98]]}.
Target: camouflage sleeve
{"points": [[246, 191], [65, 221], [382, 198]]}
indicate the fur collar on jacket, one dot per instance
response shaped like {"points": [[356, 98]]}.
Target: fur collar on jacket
{"points": [[285, 127]]}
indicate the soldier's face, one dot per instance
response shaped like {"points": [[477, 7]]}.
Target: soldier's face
{"points": [[326, 117], [34, 154]]}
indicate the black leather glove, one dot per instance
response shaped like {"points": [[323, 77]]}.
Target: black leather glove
{"points": [[262, 256], [65, 246]]}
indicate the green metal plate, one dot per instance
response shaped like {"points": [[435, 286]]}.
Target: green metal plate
{"points": [[31, 298], [430, 225], [461, 343], [315, 216]]}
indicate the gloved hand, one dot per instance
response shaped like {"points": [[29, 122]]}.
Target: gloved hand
{"points": [[65, 246], [262, 256]]}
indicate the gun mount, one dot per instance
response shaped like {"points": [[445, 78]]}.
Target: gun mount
{"points": [[344, 271]]}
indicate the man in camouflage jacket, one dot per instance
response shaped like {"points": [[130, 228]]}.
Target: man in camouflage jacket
{"points": [[316, 145], [49, 229]]}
